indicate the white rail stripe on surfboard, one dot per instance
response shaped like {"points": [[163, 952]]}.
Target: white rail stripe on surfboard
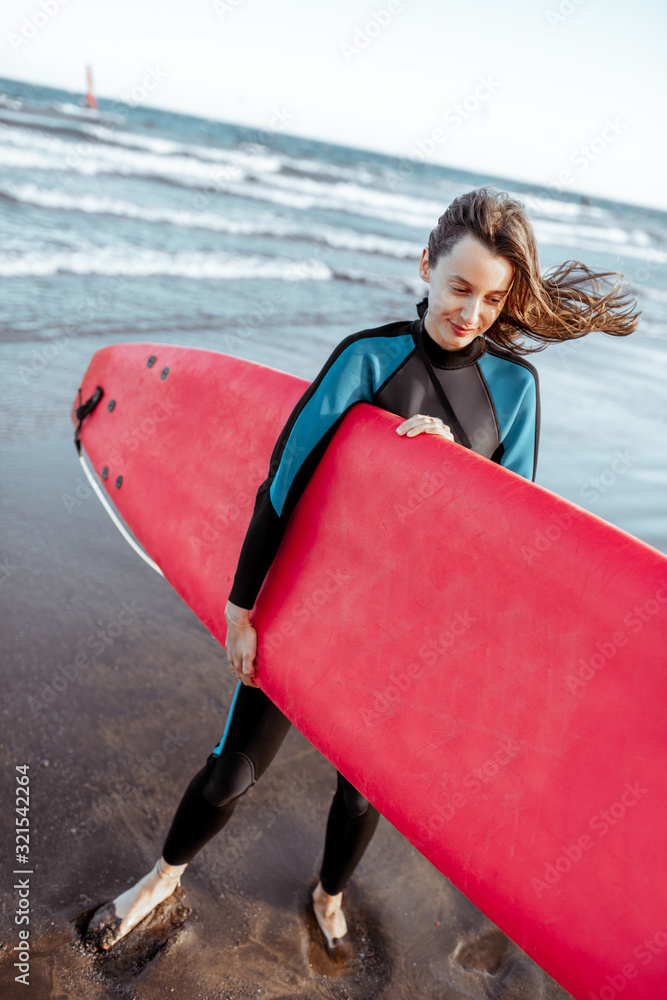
{"points": [[116, 520]]}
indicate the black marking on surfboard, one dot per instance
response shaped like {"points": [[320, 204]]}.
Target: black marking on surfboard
{"points": [[111, 404], [119, 482], [151, 361], [105, 472], [164, 373]]}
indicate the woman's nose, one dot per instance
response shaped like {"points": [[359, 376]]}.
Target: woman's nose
{"points": [[470, 312]]}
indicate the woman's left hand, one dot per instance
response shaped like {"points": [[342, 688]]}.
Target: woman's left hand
{"points": [[420, 424]]}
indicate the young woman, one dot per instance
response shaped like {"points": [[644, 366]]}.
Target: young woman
{"points": [[456, 371]]}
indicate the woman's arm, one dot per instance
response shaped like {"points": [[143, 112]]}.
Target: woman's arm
{"points": [[346, 379], [514, 389], [520, 439]]}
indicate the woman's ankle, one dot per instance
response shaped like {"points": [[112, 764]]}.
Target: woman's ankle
{"points": [[169, 872]]}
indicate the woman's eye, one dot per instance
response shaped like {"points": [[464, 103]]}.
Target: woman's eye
{"points": [[463, 291]]}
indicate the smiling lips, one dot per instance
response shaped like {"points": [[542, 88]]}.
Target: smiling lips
{"points": [[459, 330]]}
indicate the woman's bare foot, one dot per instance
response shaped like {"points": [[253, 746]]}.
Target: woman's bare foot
{"points": [[329, 915], [114, 920]]}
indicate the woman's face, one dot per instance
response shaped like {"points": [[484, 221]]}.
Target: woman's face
{"points": [[468, 288]]}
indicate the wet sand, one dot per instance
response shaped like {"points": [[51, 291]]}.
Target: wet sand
{"points": [[111, 740]]}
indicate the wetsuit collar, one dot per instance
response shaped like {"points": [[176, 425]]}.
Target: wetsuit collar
{"points": [[441, 358]]}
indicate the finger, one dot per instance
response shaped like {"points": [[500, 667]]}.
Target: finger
{"points": [[247, 668], [428, 425], [421, 421], [441, 429], [411, 422]]}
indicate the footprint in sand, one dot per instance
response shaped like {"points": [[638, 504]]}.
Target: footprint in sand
{"points": [[500, 969], [150, 938]]}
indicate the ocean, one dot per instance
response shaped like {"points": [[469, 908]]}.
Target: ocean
{"points": [[133, 223]]}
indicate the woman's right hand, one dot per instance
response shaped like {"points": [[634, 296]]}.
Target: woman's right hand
{"points": [[241, 644]]}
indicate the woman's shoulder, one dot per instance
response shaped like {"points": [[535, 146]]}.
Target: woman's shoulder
{"points": [[371, 339], [523, 369]]}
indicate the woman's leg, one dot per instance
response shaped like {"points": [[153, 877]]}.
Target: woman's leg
{"points": [[252, 737], [351, 824], [254, 732]]}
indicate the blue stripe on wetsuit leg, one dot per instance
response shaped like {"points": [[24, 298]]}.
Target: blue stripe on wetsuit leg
{"points": [[218, 749], [353, 377], [514, 394]]}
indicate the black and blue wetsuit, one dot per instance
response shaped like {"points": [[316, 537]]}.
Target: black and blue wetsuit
{"points": [[491, 405], [490, 400]]}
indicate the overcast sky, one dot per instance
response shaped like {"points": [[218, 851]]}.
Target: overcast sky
{"points": [[565, 92]]}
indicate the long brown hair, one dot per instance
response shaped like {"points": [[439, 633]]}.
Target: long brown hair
{"points": [[566, 303]]}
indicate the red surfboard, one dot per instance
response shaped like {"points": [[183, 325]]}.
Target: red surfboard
{"points": [[482, 659]]}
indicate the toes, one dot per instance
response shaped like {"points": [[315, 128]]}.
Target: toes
{"points": [[104, 928], [105, 912], [333, 930]]}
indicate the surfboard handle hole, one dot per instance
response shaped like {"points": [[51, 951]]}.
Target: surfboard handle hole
{"points": [[119, 480], [111, 404], [151, 361], [164, 373]]}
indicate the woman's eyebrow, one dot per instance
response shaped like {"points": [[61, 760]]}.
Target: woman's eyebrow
{"points": [[497, 291]]}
